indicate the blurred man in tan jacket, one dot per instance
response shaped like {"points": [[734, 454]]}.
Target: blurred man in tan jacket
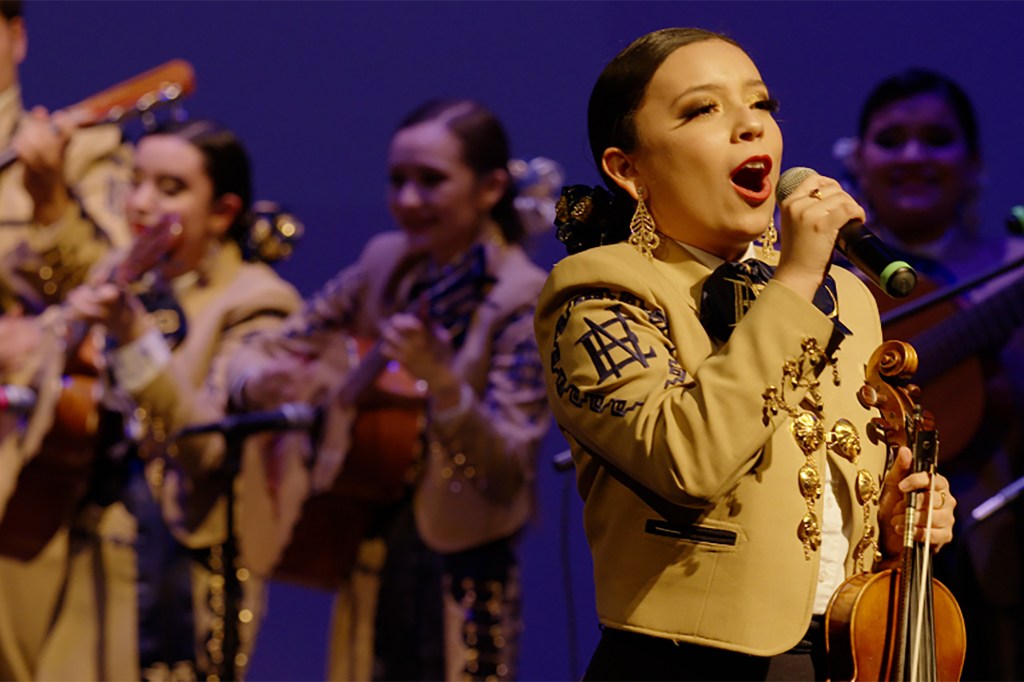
{"points": [[61, 188]]}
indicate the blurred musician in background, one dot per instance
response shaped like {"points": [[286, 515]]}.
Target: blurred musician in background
{"points": [[63, 192], [134, 585], [450, 297], [917, 168]]}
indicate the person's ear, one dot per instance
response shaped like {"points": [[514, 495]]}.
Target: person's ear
{"points": [[620, 167], [854, 162], [225, 209], [493, 186], [19, 39]]}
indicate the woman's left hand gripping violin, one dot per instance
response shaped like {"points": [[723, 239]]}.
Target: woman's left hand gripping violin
{"points": [[898, 623]]}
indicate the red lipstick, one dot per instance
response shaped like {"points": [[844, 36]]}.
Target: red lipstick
{"points": [[750, 179]]}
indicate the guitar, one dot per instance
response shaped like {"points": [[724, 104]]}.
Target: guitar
{"points": [[306, 501], [137, 96], [53, 480], [304, 514], [951, 336]]}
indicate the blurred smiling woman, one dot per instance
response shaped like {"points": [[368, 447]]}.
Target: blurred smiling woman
{"points": [[131, 587], [449, 296]]}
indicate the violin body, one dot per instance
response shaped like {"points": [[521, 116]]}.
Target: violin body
{"points": [[898, 624], [862, 622]]}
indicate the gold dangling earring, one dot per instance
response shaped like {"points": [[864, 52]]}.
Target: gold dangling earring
{"points": [[768, 238], [642, 234]]}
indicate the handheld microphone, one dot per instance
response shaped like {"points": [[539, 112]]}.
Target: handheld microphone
{"points": [[869, 253], [287, 417], [17, 399]]}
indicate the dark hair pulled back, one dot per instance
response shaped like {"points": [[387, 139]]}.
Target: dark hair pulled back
{"points": [[225, 160], [264, 231], [485, 147], [611, 122], [11, 9]]}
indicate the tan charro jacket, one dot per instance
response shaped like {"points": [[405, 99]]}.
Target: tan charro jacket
{"points": [[51, 259], [232, 300], [634, 378], [82, 622]]}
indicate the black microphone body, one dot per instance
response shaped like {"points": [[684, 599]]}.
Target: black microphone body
{"points": [[287, 417], [893, 275], [861, 247]]}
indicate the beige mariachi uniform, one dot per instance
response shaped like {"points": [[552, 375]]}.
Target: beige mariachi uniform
{"points": [[52, 259], [634, 378], [72, 613], [477, 481]]}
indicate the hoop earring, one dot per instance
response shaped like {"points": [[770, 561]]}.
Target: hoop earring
{"points": [[768, 239], [642, 234]]}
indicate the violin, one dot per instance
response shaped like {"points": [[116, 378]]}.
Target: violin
{"points": [[900, 623]]}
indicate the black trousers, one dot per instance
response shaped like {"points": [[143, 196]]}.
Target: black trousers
{"points": [[622, 655]]}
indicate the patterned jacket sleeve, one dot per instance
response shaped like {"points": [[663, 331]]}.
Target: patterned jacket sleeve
{"points": [[633, 376], [500, 432], [310, 332]]}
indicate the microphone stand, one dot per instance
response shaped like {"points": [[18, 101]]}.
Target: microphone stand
{"points": [[225, 666], [224, 643], [229, 558], [562, 461]]}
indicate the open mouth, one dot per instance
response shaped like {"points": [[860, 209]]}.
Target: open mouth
{"points": [[750, 179]]}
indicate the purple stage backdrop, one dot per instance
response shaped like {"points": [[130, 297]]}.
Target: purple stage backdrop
{"points": [[316, 88]]}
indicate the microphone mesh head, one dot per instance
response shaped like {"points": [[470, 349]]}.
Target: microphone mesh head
{"points": [[789, 180]]}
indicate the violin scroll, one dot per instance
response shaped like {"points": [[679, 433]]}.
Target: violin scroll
{"points": [[896, 359], [887, 388]]}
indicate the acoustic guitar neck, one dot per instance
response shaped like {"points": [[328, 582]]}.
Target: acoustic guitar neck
{"points": [[160, 86]]}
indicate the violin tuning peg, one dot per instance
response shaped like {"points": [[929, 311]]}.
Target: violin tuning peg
{"points": [[868, 396]]}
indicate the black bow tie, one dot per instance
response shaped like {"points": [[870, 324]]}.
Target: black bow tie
{"points": [[733, 287], [452, 295]]}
